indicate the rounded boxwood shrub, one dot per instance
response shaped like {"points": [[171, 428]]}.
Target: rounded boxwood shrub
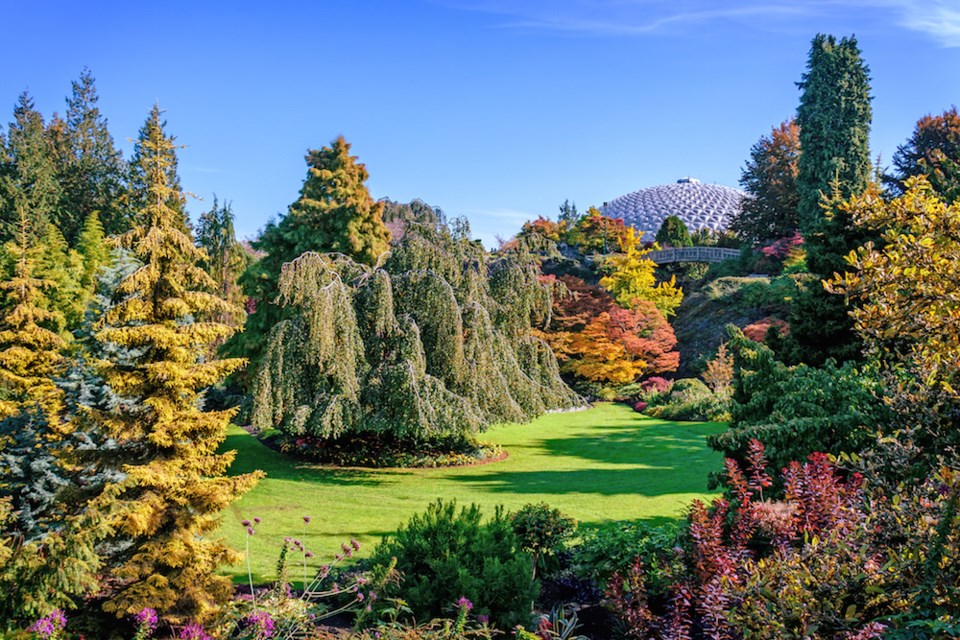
{"points": [[444, 554]]}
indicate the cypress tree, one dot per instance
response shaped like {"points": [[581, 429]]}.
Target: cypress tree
{"points": [[334, 213], [166, 506], [834, 118]]}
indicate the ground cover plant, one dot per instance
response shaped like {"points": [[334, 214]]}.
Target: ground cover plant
{"points": [[605, 463]]}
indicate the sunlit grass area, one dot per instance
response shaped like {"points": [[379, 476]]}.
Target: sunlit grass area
{"points": [[605, 463]]}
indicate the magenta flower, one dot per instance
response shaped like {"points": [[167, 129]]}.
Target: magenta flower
{"points": [[147, 618], [483, 618], [359, 597], [263, 623], [250, 531], [50, 625], [245, 523], [306, 519], [256, 520], [354, 544], [193, 631], [463, 603], [308, 554]]}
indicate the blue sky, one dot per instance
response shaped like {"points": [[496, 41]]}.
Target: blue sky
{"points": [[493, 109]]}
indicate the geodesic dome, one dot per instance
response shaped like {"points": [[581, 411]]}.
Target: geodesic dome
{"points": [[699, 205]]}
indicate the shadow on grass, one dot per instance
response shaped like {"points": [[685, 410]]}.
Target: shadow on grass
{"points": [[647, 441], [253, 455], [645, 481]]}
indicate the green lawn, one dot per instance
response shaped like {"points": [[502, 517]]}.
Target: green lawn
{"points": [[606, 463]]}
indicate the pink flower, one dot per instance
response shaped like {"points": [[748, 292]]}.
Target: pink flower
{"points": [[256, 520], [306, 519], [250, 531], [147, 618], [245, 523], [463, 603], [193, 631]]}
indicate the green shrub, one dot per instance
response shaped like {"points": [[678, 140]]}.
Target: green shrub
{"points": [[687, 399], [445, 554], [542, 531], [613, 546], [797, 410]]}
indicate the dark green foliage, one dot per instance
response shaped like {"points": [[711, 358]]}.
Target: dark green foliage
{"points": [[431, 347], [797, 410], [770, 180], [932, 150], [445, 554], [28, 174], [834, 118], [674, 233], [613, 546], [90, 168], [542, 531], [226, 258]]}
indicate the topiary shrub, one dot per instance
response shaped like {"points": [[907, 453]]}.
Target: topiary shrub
{"points": [[444, 554]]}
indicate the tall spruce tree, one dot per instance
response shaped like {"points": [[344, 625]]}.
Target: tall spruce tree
{"points": [[28, 179], [92, 172], [167, 506], [138, 172], [334, 213], [834, 118]]}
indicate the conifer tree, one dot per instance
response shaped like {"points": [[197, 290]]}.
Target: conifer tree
{"points": [[166, 507], [139, 169], [933, 150], [334, 213], [93, 250], [834, 118], [50, 554], [226, 257], [630, 278], [91, 169], [29, 177]]}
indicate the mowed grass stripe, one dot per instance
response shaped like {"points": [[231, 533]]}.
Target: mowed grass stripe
{"points": [[605, 463]]}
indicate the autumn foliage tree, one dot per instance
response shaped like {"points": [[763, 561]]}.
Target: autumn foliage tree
{"points": [[770, 180], [165, 509], [630, 277], [933, 150], [597, 340]]}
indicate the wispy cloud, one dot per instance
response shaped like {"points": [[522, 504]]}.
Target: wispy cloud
{"points": [[938, 19]]}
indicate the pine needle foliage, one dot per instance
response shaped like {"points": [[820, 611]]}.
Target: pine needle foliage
{"points": [[430, 346], [165, 508]]}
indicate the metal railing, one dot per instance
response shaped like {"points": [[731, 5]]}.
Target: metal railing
{"points": [[693, 254]]}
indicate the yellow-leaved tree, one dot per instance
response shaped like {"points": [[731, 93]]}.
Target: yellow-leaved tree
{"points": [[166, 507], [630, 277]]}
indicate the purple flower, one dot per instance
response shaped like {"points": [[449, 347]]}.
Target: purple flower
{"points": [[147, 618], [354, 544], [193, 631], [359, 597], [263, 622], [50, 625], [483, 618], [306, 519], [256, 520], [250, 531], [463, 603], [308, 554], [244, 523]]}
